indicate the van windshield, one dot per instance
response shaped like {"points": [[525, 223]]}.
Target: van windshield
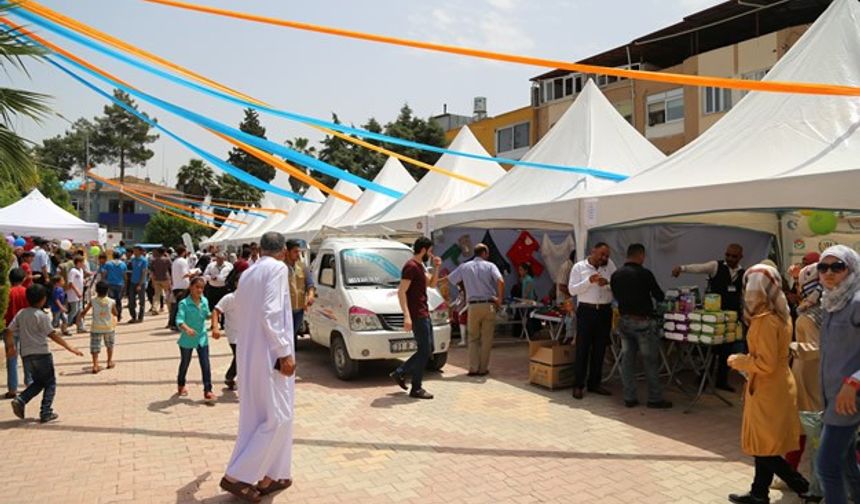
{"points": [[373, 267]]}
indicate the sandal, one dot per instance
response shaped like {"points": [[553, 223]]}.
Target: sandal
{"points": [[243, 491], [274, 487], [182, 392], [111, 365], [96, 369]]}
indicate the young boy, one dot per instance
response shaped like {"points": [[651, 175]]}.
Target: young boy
{"points": [[58, 304], [225, 308], [33, 327], [17, 302], [103, 326]]}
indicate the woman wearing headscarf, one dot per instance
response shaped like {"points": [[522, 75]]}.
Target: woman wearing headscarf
{"points": [[839, 274], [771, 424]]}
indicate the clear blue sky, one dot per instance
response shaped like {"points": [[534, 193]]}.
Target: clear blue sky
{"points": [[317, 74]]}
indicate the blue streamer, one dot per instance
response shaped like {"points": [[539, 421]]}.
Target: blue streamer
{"points": [[298, 117], [255, 141], [232, 170]]}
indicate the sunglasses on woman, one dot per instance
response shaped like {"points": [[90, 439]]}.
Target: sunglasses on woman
{"points": [[836, 267]]}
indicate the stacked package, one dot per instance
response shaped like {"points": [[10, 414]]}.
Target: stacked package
{"points": [[699, 326]]}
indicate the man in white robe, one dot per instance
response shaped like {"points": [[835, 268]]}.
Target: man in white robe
{"points": [[266, 363]]}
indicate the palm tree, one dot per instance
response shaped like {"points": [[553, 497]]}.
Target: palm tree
{"points": [[196, 178], [17, 167]]}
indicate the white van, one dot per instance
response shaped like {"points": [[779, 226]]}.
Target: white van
{"points": [[357, 314]]}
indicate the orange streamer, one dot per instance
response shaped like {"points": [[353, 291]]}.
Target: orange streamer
{"points": [[672, 78], [154, 198]]}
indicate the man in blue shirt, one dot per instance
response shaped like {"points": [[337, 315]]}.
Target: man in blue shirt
{"points": [[113, 272], [137, 286]]}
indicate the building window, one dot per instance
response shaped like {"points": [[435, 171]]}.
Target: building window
{"points": [[512, 138], [717, 100], [756, 75], [568, 86], [666, 107], [127, 206]]}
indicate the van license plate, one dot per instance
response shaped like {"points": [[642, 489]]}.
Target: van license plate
{"points": [[403, 345]]}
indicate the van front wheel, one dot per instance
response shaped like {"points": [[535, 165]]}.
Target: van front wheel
{"points": [[345, 367]]}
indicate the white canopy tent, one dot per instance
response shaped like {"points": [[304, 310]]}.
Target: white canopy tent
{"points": [[591, 133], [244, 219], [436, 191], [330, 211], [771, 152], [392, 175], [256, 220], [36, 215], [221, 232], [300, 214]]}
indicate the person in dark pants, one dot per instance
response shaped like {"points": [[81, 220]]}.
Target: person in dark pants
{"points": [[839, 273], [726, 279], [33, 327], [191, 318], [416, 314], [589, 283], [180, 272], [137, 285], [635, 288]]}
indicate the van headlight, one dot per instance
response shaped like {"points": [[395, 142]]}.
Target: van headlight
{"points": [[362, 319], [439, 315]]}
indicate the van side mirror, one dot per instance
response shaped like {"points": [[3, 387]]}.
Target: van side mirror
{"points": [[327, 277]]}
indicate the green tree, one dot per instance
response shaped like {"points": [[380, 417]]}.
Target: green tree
{"points": [[64, 154], [302, 145], [369, 162], [233, 188], [120, 137], [196, 178], [5, 262], [52, 188], [16, 163], [409, 127], [337, 152], [168, 229]]}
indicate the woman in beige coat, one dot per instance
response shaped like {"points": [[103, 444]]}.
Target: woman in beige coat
{"points": [[771, 424]]}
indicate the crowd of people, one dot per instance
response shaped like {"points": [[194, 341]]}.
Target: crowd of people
{"points": [[801, 360]]}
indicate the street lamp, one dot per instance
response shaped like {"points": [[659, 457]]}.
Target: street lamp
{"points": [[85, 168]]}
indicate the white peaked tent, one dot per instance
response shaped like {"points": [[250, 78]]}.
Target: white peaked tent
{"points": [[330, 211], [243, 220], [771, 151], [278, 201], [591, 133], [256, 220], [36, 215], [436, 191], [221, 232], [392, 175], [299, 214]]}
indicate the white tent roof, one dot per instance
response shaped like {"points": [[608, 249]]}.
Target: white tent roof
{"points": [[36, 215], [436, 191], [254, 221], [591, 133], [217, 235], [299, 214], [330, 211], [771, 151], [278, 201], [392, 175], [237, 228]]}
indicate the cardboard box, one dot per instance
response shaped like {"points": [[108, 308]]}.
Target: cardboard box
{"points": [[551, 353], [551, 377]]}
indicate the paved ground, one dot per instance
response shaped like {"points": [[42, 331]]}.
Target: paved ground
{"points": [[124, 436]]}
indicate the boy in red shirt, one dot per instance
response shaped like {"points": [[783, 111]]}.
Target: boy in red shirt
{"points": [[17, 302]]}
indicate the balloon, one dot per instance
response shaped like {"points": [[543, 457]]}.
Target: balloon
{"points": [[20, 242], [95, 251], [66, 245], [822, 222], [10, 240], [806, 213]]}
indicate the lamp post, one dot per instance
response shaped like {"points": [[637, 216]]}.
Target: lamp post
{"points": [[85, 168]]}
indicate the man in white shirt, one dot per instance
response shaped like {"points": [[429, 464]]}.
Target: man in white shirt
{"points": [[589, 284], [180, 273], [216, 278], [75, 292], [41, 262]]}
